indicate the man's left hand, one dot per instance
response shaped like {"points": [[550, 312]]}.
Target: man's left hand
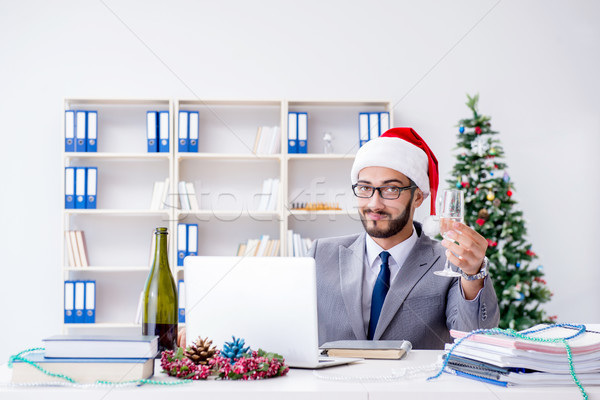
{"points": [[466, 248]]}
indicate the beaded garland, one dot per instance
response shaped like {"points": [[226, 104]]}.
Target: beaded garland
{"points": [[512, 333]]}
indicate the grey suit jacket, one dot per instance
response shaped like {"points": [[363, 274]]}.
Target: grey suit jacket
{"points": [[420, 307]]}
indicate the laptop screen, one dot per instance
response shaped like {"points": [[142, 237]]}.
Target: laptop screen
{"points": [[271, 302]]}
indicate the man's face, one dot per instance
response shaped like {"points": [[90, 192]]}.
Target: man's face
{"points": [[383, 218]]}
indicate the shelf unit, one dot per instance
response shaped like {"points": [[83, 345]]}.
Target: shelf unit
{"points": [[227, 177]]}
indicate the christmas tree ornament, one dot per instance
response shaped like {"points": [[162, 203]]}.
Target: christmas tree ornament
{"points": [[461, 129], [496, 202], [234, 349], [480, 221], [518, 265], [509, 193], [476, 190], [201, 351], [478, 130], [480, 146], [492, 151], [490, 196], [540, 268], [506, 178], [458, 185], [483, 214]]}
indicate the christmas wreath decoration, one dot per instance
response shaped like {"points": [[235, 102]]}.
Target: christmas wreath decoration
{"points": [[201, 361]]}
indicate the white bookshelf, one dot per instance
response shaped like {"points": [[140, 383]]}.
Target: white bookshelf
{"points": [[227, 177]]}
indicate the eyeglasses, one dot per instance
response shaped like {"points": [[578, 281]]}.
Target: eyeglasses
{"points": [[386, 192]]}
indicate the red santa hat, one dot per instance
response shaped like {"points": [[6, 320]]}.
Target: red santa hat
{"points": [[403, 150]]}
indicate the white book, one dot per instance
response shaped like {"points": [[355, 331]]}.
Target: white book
{"points": [[191, 194], [265, 140], [257, 140], [184, 201], [252, 247], [297, 245], [275, 249], [262, 246], [274, 196], [82, 249], [157, 195], [76, 255], [164, 198], [265, 194], [275, 145], [290, 243], [70, 252]]}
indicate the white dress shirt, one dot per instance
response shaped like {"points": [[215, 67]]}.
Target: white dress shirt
{"points": [[372, 262]]}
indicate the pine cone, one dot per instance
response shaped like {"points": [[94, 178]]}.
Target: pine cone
{"points": [[200, 352]]}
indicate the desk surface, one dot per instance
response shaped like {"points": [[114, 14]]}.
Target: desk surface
{"points": [[362, 380]]}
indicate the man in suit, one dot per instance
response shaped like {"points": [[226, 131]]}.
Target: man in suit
{"points": [[380, 284]]}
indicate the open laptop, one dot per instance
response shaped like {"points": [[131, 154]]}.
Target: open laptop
{"points": [[271, 302]]}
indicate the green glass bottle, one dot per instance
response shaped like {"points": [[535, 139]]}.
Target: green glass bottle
{"points": [[160, 297]]}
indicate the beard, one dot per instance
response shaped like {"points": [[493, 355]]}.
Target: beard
{"points": [[394, 226]]}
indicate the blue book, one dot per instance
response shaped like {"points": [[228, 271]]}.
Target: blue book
{"points": [[183, 134], [92, 131], [181, 300], [91, 187], [194, 130], [90, 302], [80, 131], [152, 131], [69, 302], [163, 132], [69, 187], [101, 346], [69, 130], [80, 187], [302, 132], [181, 243], [363, 128], [292, 132], [82, 370]]}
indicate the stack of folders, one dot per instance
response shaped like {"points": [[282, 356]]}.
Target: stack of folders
{"points": [[507, 361], [267, 140], [188, 131], [187, 242], [81, 131], [269, 195], [374, 349], [88, 359], [157, 131], [80, 302], [372, 125], [297, 245], [76, 249], [80, 187], [297, 132], [263, 247]]}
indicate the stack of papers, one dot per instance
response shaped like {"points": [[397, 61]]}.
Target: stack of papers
{"points": [[505, 360]]}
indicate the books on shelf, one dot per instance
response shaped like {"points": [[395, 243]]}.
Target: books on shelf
{"points": [[505, 360], [80, 187], [157, 131], [269, 195], [267, 140], [82, 370], [164, 199], [263, 247], [297, 245], [297, 132], [374, 349], [372, 125], [79, 302], [81, 131], [76, 249], [101, 346], [187, 196]]}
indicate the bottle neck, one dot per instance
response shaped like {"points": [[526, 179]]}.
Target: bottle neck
{"points": [[161, 251]]}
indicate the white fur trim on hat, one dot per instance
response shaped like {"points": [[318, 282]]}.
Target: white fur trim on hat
{"points": [[394, 153]]}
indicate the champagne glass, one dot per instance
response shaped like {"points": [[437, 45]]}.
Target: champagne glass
{"points": [[452, 209]]}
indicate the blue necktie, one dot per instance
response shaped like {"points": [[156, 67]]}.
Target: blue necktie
{"points": [[382, 284]]}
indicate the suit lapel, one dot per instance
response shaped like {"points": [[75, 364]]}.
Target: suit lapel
{"points": [[351, 271], [416, 265]]}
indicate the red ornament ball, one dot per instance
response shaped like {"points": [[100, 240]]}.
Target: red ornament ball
{"points": [[480, 221], [509, 193], [478, 130], [465, 184]]}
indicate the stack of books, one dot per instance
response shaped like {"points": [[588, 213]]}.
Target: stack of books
{"points": [[505, 360], [297, 245], [269, 195], [76, 249], [267, 140], [263, 247], [87, 359]]}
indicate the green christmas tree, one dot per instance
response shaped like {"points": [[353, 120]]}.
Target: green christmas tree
{"points": [[491, 210]]}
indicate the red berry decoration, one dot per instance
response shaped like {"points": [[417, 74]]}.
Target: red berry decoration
{"points": [[465, 184], [478, 130]]}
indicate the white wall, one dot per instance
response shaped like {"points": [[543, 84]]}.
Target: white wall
{"points": [[534, 63]]}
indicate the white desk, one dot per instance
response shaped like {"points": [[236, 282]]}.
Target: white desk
{"points": [[343, 382]]}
